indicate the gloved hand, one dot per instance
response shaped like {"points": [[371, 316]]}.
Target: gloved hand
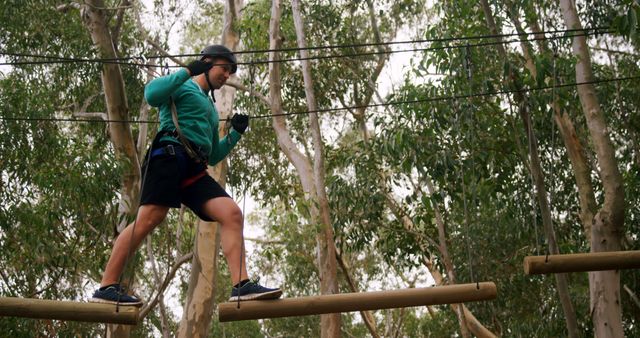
{"points": [[198, 67], [240, 122]]}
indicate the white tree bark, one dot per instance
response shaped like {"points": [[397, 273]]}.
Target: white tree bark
{"points": [[535, 168], [330, 323], [200, 303], [93, 16], [607, 224]]}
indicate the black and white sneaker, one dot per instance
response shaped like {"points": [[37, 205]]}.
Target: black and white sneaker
{"points": [[114, 294], [251, 290]]}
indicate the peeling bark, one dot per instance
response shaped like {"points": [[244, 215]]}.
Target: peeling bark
{"points": [[575, 149], [607, 227], [200, 303], [367, 317], [330, 323], [93, 17], [535, 168]]}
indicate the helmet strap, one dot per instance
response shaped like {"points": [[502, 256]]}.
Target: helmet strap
{"points": [[206, 76]]}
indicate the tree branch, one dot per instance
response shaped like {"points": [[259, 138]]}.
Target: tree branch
{"points": [[241, 87], [633, 296], [368, 319], [155, 44], [66, 7], [92, 115], [115, 32], [145, 310], [156, 277]]}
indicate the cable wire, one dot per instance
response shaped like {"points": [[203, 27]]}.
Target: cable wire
{"points": [[126, 60], [373, 105]]}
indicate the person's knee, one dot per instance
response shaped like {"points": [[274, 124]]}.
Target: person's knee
{"points": [[151, 217], [233, 218]]}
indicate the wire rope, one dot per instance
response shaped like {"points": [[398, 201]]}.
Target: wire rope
{"points": [[127, 61], [346, 108]]}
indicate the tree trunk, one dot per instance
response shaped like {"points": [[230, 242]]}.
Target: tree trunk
{"points": [[446, 258], [330, 323], [476, 327], [607, 226], [575, 149], [120, 132], [117, 107], [200, 302], [367, 317], [562, 279], [471, 322], [562, 283]]}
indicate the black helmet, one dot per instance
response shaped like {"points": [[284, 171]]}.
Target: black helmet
{"points": [[220, 51]]}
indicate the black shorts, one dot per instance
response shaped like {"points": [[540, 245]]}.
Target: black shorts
{"points": [[172, 179]]}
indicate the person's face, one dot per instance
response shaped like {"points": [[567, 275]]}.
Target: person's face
{"points": [[219, 73]]}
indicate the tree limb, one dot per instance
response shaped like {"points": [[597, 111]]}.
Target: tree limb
{"points": [[157, 281], [115, 32], [368, 319], [92, 115], [155, 44], [253, 92], [633, 296], [145, 310], [66, 7]]}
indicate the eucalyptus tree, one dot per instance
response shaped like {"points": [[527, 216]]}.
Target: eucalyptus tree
{"points": [[60, 176], [200, 303], [451, 64], [608, 221], [534, 164], [333, 23]]}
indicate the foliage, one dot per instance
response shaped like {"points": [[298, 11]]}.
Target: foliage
{"points": [[60, 180]]}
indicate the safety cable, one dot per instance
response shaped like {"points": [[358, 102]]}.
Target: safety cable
{"points": [[532, 195], [553, 133], [596, 30], [127, 60], [372, 105], [130, 249], [469, 75], [244, 197]]}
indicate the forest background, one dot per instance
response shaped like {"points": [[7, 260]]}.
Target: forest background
{"points": [[513, 130]]}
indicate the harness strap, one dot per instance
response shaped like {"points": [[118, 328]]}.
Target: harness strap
{"points": [[191, 180], [171, 150], [185, 142], [168, 149]]}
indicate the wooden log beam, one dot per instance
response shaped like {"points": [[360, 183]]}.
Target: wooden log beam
{"points": [[67, 310], [595, 261], [359, 301]]}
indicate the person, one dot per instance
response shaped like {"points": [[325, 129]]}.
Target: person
{"points": [[174, 172]]}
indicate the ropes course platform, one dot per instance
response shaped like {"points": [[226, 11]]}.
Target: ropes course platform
{"points": [[68, 310], [359, 301], [582, 262]]}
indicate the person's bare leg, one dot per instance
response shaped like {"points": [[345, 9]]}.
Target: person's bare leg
{"points": [[149, 216], [226, 211]]}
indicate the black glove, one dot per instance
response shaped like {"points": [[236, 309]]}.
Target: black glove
{"points": [[240, 122], [198, 67]]}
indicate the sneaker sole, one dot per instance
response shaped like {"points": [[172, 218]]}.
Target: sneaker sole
{"points": [[105, 301], [275, 294]]}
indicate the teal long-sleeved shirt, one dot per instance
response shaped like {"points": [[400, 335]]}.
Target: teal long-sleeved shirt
{"points": [[197, 114]]}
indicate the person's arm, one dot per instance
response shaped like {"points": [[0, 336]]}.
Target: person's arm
{"points": [[220, 150], [158, 91]]}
